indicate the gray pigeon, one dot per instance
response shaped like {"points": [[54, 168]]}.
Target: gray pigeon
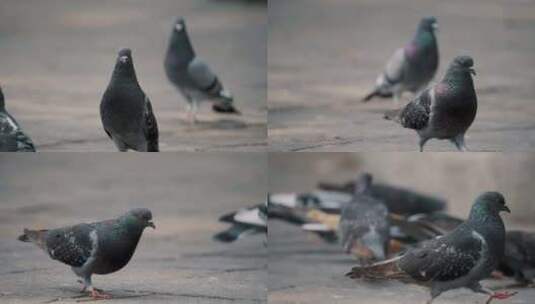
{"points": [[411, 67], [458, 259], [519, 260], [96, 248], [126, 111], [364, 225], [445, 110], [12, 139], [193, 78]]}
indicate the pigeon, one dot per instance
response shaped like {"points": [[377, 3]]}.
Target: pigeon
{"points": [[398, 200], [192, 76], [458, 259], [445, 110], [364, 224], [412, 67], [252, 220], [519, 259], [12, 139], [126, 111], [96, 248]]}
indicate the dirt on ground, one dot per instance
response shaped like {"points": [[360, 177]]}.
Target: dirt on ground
{"points": [[178, 262], [324, 57], [57, 58]]}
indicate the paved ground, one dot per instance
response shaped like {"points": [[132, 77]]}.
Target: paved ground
{"points": [[324, 57], [176, 263], [302, 269], [57, 58]]}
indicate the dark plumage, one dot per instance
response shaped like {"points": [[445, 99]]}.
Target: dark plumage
{"points": [[126, 111], [458, 259], [445, 110], [519, 258], [364, 225], [12, 139], [96, 248], [411, 67], [252, 220], [194, 78]]}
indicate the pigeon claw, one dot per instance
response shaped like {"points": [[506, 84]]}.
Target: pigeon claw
{"points": [[99, 295], [501, 296]]}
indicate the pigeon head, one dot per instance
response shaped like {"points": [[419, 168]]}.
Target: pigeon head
{"points": [[488, 204], [464, 63], [124, 67], [140, 217], [363, 182], [428, 24], [179, 45], [180, 25]]}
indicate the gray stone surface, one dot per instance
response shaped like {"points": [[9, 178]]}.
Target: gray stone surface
{"points": [[324, 56], [57, 57], [176, 263], [302, 269]]}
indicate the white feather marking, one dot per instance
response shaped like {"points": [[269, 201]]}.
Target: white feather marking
{"points": [[284, 199], [249, 216], [11, 123], [315, 227], [179, 27]]}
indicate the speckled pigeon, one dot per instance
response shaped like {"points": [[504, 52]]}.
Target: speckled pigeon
{"points": [[458, 259], [364, 225], [411, 67], [250, 220], [192, 76], [445, 110], [12, 139], [96, 248], [126, 111]]}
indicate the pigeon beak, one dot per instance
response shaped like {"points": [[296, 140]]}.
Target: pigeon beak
{"points": [[506, 209], [435, 27], [123, 59], [472, 71], [151, 224]]}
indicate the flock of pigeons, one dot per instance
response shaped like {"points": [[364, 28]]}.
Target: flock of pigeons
{"points": [[397, 233], [444, 110], [126, 111]]}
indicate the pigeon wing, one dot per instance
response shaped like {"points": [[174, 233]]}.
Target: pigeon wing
{"points": [[203, 78], [151, 127], [71, 245], [417, 113], [445, 258]]}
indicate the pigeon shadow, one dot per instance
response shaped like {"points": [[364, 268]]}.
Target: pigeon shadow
{"points": [[220, 124]]}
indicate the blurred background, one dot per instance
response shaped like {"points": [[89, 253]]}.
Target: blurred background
{"points": [[324, 57], [57, 58], [304, 269], [176, 263]]}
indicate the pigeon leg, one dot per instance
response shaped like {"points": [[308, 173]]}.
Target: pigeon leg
{"points": [[459, 142], [492, 295], [96, 294], [195, 110], [397, 97], [423, 140]]}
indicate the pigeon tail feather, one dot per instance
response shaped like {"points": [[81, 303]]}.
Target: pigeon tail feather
{"points": [[231, 234], [33, 236], [392, 115], [381, 270]]}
